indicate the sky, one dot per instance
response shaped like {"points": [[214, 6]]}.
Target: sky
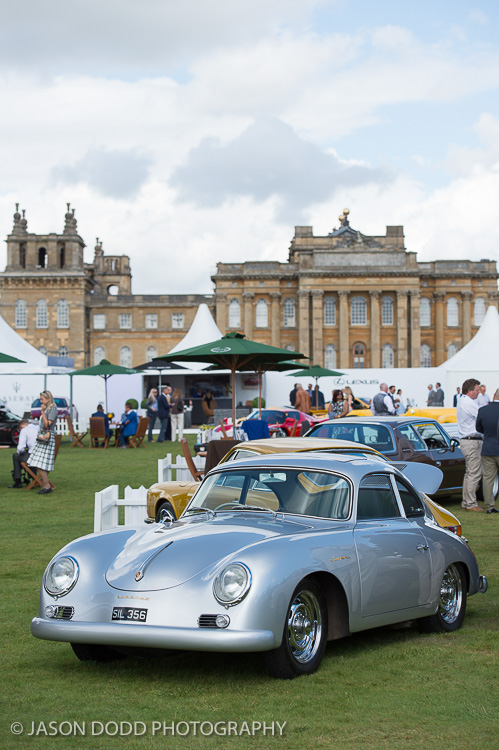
{"points": [[186, 134]]}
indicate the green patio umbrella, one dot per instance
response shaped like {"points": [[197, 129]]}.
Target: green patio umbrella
{"points": [[104, 370], [316, 372], [5, 358], [233, 352]]}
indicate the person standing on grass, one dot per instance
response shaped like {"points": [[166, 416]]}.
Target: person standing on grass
{"points": [[487, 422], [42, 456], [470, 442], [152, 411], [164, 412], [177, 414]]}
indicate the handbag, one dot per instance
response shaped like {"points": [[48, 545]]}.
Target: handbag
{"points": [[43, 437]]}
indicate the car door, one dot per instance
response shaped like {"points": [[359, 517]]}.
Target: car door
{"points": [[451, 462], [392, 552]]}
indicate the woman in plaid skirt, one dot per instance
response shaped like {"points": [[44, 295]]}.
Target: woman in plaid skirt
{"points": [[43, 454]]}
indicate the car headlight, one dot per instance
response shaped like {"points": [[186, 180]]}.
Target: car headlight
{"points": [[60, 576], [232, 584]]}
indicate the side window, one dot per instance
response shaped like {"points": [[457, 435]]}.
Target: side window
{"points": [[413, 505], [432, 436], [378, 437], [239, 454], [376, 499], [407, 431]]}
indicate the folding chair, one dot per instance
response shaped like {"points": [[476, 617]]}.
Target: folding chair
{"points": [[77, 437], [138, 439], [197, 474], [36, 480], [98, 432], [292, 432]]}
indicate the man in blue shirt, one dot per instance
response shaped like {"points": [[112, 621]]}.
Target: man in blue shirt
{"points": [[129, 424]]}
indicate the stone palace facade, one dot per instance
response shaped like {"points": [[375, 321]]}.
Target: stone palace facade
{"points": [[347, 300]]}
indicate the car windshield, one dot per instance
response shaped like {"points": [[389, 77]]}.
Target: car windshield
{"points": [[36, 403], [6, 414], [61, 403], [294, 491], [374, 435]]}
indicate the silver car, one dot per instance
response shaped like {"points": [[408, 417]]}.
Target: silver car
{"points": [[275, 554]]}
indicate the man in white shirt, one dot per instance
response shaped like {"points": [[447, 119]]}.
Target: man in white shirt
{"points": [[483, 399], [470, 441], [382, 404], [27, 439]]}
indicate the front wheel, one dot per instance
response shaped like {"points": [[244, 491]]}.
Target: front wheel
{"points": [[305, 634], [165, 506], [451, 603]]}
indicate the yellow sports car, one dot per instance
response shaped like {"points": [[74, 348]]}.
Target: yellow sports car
{"points": [[175, 496], [442, 414]]}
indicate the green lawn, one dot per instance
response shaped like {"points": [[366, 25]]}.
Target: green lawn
{"points": [[381, 689]]}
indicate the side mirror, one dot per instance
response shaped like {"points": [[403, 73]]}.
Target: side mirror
{"points": [[454, 443]]}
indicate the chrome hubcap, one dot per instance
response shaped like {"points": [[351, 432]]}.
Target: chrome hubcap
{"points": [[304, 626], [451, 595]]}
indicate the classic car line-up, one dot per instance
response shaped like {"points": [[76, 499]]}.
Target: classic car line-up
{"points": [[275, 554]]}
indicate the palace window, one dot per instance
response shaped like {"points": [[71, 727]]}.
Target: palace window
{"points": [[330, 311], [234, 314], [42, 257], [99, 322], [425, 360], [42, 350], [151, 353], [479, 312], [387, 356], [177, 320], [62, 314], [151, 320], [99, 354], [359, 355], [62, 255], [125, 356], [125, 320], [42, 319], [451, 350], [330, 356], [21, 316], [62, 351], [387, 313], [290, 348], [262, 314], [425, 312], [452, 312], [359, 311], [22, 254], [289, 313]]}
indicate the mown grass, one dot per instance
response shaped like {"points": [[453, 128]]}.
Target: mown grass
{"points": [[380, 689]]}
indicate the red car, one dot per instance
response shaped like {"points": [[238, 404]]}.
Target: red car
{"points": [[282, 420], [61, 403]]}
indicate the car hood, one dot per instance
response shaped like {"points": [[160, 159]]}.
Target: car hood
{"points": [[163, 557]]}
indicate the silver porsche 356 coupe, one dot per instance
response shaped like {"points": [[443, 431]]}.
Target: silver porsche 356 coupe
{"points": [[276, 554]]}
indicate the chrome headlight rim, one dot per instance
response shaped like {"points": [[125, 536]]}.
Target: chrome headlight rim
{"points": [[56, 594], [227, 602]]}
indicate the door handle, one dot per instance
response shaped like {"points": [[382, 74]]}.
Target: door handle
{"points": [[438, 463], [422, 547]]}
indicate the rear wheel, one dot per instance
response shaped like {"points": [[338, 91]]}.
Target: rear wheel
{"points": [[94, 652], [451, 603], [165, 506], [305, 634]]}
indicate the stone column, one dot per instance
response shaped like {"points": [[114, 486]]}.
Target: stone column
{"points": [[304, 322], [466, 321], [317, 327], [344, 330], [248, 298], [375, 334], [221, 311], [415, 328], [439, 327], [275, 318], [493, 299], [402, 329]]}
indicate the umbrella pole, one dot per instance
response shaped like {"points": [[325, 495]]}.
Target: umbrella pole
{"points": [[105, 389], [259, 394], [233, 402]]}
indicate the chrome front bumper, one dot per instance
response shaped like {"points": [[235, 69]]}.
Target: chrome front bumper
{"points": [[152, 636]]}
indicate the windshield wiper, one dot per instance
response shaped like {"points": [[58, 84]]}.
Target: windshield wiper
{"points": [[239, 506]]}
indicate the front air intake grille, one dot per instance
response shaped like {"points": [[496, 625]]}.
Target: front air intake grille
{"points": [[64, 613], [207, 621]]}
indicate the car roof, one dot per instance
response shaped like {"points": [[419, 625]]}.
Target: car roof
{"points": [[294, 444]]}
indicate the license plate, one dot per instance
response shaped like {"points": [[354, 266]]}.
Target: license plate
{"points": [[133, 614]]}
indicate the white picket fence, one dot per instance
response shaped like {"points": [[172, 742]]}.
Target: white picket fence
{"points": [[166, 467], [108, 503]]}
